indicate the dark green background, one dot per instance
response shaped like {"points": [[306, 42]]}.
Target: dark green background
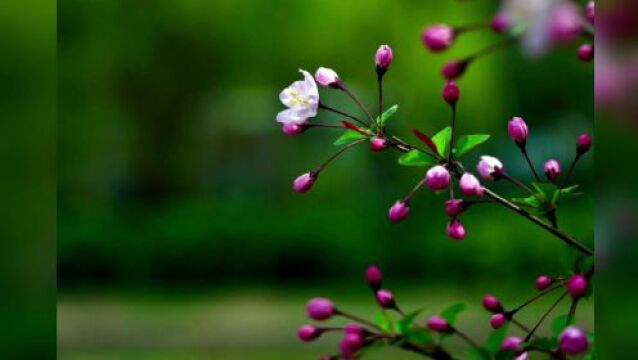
{"points": [[175, 209]]}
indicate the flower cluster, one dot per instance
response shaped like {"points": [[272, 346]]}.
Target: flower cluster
{"points": [[537, 25], [391, 326]]}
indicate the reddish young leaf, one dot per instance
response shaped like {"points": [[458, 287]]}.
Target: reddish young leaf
{"points": [[426, 140], [352, 126]]}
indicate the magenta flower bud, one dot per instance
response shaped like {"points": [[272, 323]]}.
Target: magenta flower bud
{"points": [[374, 277], [386, 299], [438, 37], [356, 329], [543, 282], [454, 207], [437, 178], [454, 69], [498, 320], [470, 185], [292, 129], [590, 11], [327, 77], [492, 304], [586, 52], [500, 23], [438, 324], [350, 344], [512, 343], [304, 182], [451, 93], [573, 341], [517, 129], [378, 143], [455, 229], [565, 23], [577, 286], [383, 58], [583, 144], [490, 168], [309, 332], [399, 211], [552, 169], [320, 308]]}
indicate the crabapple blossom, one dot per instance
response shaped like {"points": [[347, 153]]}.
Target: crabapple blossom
{"points": [[374, 277], [498, 320], [437, 178], [583, 144], [356, 329], [517, 130], [327, 77], [438, 324], [302, 100], [573, 341], [500, 23], [492, 304], [552, 169], [590, 11], [385, 299], [490, 167], [399, 211], [304, 182], [543, 282], [320, 308], [292, 129], [454, 207], [451, 93], [512, 343], [383, 58], [577, 285], [309, 332], [586, 52], [565, 23], [378, 143], [454, 69], [438, 37], [455, 229], [470, 185]]}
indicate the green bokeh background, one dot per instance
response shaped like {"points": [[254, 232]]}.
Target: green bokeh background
{"points": [[179, 236]]}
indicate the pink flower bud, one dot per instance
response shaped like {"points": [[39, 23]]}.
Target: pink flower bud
{"points": [[552, 169], [438, 37], [292, 129], [590, 11], [512, 343], [543, 282], [385, 299], [573, 341], [517, 129], [374, 277], [304, 182], [451, 93], [500, 23], [498, 320], [586, 52], [577, 286], [455, 229], [454, 69], [383, 58], [437, 178], [438, 324], [470, 185], [327, 77], [583, 144], [309, 332], [356, 329], [320, 308], [492, 304], [454, 207], [565, 22], [399, 211], [490, 168], [378, 143], [349, 346]]}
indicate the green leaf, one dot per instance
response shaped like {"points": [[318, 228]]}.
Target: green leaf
{"points": [[383, 322], [442, 140], [494, 341], [546, 191], [406, 322], [467, 143], [450, 314], [532, 201], [348, 137], [418, 336], [567, 193], [479, 354], [416, 158], [388, 114], [560, 323]]}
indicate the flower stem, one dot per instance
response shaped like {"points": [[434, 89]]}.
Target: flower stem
{"points": [[570, 171], [337, 154], [529, 162], [521, 185], [551, 308], [491, 48], [380, 82], [536, 297], [467, 339], [331, 109], [343, 88], [414, 190], [359, 320]]}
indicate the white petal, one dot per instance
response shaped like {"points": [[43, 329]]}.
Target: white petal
{"points": [[291, 116]]}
